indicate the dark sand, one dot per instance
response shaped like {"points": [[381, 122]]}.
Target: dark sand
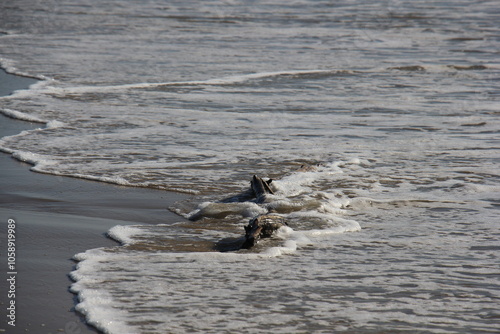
{"points": [[10, 82], [57, 217]]}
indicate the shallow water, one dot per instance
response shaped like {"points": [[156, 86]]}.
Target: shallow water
{"points": [[396, 102]]}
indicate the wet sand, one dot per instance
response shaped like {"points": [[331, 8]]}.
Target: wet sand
{"points": [[57, 217]]}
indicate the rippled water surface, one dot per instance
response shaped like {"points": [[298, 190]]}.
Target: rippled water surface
{"points": [[395, 103]]}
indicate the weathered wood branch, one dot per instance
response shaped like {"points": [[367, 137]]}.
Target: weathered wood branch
{"points": [[260, 188], [259, 227], [262, 226]]}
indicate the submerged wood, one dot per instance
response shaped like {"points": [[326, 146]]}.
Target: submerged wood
{"points": [[262, 226], [259, 227]]}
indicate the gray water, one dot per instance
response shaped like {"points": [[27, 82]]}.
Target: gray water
{"points": [[396, 101]]}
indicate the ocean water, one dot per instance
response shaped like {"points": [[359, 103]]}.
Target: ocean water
{"points": [[395, 103]]}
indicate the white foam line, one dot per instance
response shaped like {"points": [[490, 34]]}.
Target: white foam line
{"points": [[28, 157], [218, 81], [8, 65], [124, 234], [44, 88], [21, 116]]}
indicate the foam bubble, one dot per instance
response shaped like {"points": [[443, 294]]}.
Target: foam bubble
{"points": [[124, 234], [38, 161], [54, 124], [221, 210], [288, 247]]}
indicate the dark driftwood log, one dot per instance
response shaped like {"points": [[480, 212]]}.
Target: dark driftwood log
{"points": [[260, 188], [262, 226]]}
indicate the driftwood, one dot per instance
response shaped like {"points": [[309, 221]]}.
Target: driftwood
{"points": [[262, 226], [260, 188], [259, 227]]}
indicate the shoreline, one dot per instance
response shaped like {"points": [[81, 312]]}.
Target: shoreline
{"points": [[57, 217]]}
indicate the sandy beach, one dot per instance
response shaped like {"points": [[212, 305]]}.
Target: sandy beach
{"points": [[57, 217]]}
